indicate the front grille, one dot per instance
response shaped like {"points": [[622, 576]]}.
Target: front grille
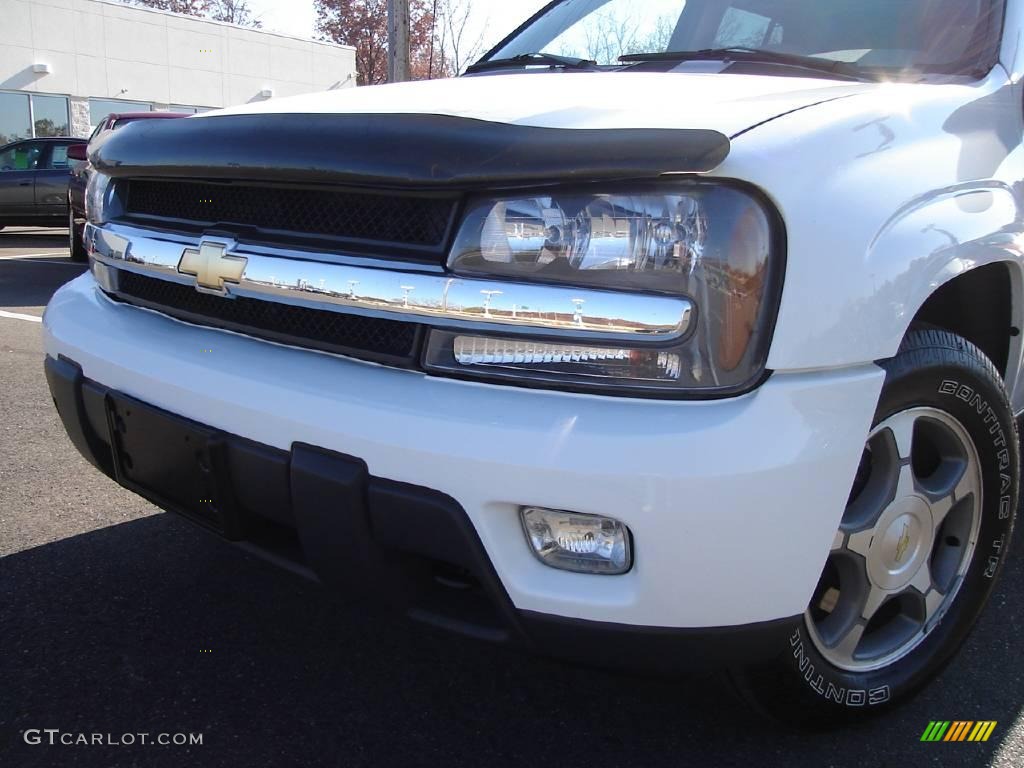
{"points": [[368, 217], [390, 341]]}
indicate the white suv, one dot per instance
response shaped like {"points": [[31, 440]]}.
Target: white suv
{"points": [[682, 337]]}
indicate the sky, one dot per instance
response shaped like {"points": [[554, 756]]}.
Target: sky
{"points": [[492, 20]]}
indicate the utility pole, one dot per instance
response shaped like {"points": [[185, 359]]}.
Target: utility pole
{"points": [[398, 41]]}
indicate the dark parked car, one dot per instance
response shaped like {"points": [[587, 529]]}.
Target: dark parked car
{"points": [[80, 174], [34, 177]]}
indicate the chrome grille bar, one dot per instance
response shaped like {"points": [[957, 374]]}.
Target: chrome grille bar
{"points": [[297, 277]]}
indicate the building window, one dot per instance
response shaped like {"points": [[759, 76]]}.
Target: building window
{"points": [[188, 110], [100, 108], [50, 115], [14, 117], [25, 116]]}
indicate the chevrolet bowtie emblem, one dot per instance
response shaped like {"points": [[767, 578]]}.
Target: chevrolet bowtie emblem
{"points": [[212, 267], [904, 543]]}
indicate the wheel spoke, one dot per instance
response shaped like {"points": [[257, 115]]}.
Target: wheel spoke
{"points": [[839, 541], [922, 580], [902, 429], [872, 602], [940, 508], [860, 542], [906, 486], [932, 602], [967, 485], [848, 643]]}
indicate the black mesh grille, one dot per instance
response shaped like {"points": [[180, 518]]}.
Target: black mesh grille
{"points": [[368, 337], [358, 216]]}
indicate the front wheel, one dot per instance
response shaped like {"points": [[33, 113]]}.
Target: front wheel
{"points": [[921, 542]]}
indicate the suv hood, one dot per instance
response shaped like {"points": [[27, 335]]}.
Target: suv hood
{"points": [[472, 132], [727, 103]]}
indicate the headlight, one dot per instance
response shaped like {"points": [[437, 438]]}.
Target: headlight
{"points": [[709, 242], [97, 198]]}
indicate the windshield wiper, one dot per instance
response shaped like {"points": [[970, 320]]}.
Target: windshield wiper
{"points": [[742, 53], [527, 59]]}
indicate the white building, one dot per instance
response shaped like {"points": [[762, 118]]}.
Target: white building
{"points": [[64, 64]]}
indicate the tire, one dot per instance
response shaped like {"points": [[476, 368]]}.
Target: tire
{"points": [[945, 404], [76, 247]]}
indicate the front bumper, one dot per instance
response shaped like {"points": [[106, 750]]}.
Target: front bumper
{"points": [[401, 544], [732, 504]]}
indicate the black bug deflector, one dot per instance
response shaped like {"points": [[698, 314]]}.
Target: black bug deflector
{"points": [[399, 150]]}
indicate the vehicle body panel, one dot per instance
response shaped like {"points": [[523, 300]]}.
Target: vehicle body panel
{"points": [[887, 192], [37, 196], [587, 100], [80, 171], [952, 165], [700, 496], [950, 153], [17, 194], [51, 187]]}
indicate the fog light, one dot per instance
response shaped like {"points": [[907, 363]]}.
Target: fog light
{"points": [[577, 542]]}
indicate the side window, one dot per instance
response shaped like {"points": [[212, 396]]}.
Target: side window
{"points": [[7, 158], [20, 157], [741, 28], [58, 157]]}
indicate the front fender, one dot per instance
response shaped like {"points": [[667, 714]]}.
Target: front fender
{"points": [[886, 197], [931, 241]]}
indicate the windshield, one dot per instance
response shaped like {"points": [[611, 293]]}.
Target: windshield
{"points": [[927, 36]]}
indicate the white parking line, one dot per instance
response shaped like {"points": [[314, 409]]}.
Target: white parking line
{"points": [[18, 316], [31, 256], [34, 255], [49, 263]]}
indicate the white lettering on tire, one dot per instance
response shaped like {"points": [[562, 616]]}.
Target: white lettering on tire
{"points": [[968, 395], [850, 697]]}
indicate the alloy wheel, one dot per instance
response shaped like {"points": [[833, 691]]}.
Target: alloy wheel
{"points": [[905, 542]]}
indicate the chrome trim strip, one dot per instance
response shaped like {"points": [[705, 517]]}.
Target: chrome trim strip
{"points": [[295, 277]]}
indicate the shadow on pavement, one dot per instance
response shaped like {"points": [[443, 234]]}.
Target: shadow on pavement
{"points": [[109, 632], [40, 241], [31, 283]]}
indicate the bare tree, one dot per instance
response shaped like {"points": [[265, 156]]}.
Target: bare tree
{"points": [[187, 7], [364, 25], [604, 36], [232, 11], [458, 39]]}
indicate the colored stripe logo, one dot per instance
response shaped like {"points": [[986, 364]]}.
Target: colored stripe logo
{"points": [[958, 730]]}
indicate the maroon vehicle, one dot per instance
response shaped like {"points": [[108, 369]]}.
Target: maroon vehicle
{"points": [[80, 173]]}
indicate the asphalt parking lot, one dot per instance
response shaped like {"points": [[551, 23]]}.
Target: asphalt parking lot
{"points": [[116, 618]]}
